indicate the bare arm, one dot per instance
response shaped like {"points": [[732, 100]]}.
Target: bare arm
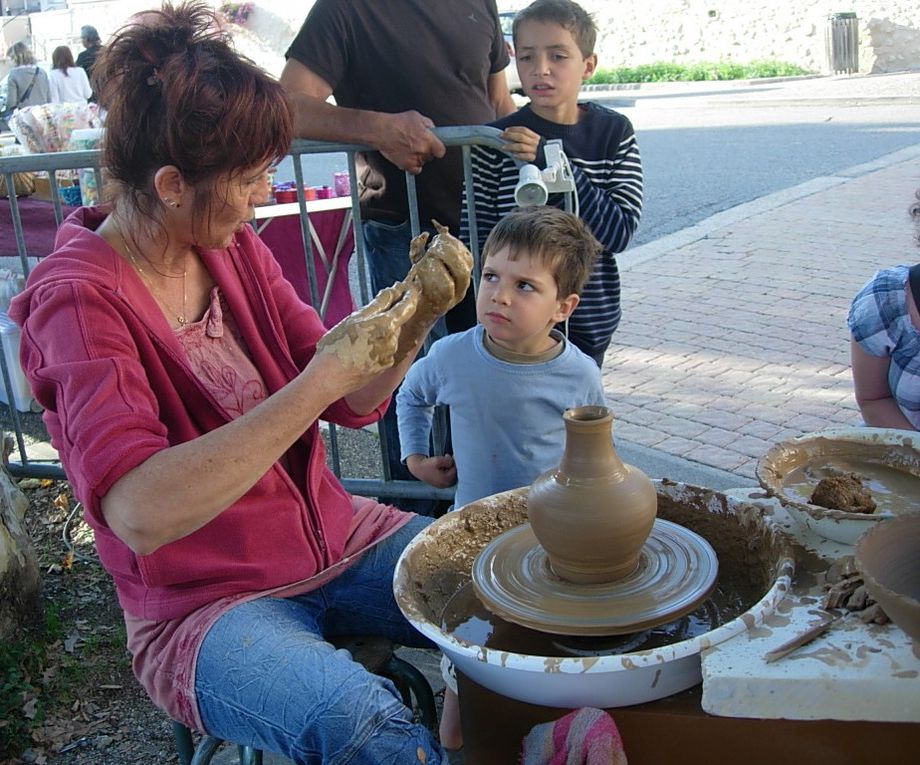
{"points": [[373, 394], [873, 395], [180, 489], [499, 95], [405, 138], [439, 471]]}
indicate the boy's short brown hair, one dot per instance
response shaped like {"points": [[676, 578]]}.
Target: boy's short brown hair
{"points": [[565, 13], [561, 241]]}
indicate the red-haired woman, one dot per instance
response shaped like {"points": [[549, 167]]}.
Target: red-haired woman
{"points": [[183, 381], [69, 83]]}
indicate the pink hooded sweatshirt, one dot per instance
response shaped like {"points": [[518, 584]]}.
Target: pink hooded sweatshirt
{"points": [[116, 388]]}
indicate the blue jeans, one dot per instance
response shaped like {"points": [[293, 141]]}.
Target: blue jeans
{"points": [[387, 248], [267, 678]]}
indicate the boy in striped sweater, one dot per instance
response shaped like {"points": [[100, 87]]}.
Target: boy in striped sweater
{"points": [[554, 47]]}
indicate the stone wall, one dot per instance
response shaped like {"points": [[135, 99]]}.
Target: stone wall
{"points": [[631, 31], [688, 31]]}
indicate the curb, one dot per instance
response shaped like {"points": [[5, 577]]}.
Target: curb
{"points": [[844, 101], [657, 464]]}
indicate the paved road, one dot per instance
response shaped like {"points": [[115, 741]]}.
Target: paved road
{"points": [[707, 147], [704, 152]]}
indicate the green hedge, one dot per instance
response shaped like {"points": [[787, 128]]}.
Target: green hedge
{"points": [[672, 72]]}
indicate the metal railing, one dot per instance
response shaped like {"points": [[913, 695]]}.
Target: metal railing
{"points": [[464, 137]]}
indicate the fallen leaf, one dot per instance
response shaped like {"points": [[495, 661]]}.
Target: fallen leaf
{"points": [[30, 708], [71, 644]]}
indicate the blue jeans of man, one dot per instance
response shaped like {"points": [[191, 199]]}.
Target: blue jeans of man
{"points": [[267, 678], [387, 247]]}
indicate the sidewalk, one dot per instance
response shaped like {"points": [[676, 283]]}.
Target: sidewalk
{"points": [[734, 331]]}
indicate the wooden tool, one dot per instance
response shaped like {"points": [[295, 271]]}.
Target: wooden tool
{"points": [[799, 640]]}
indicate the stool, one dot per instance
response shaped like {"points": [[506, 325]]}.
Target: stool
{"points": [[189, 754], [376, 654]]}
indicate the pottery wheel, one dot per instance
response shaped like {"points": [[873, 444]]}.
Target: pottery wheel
{"points": [[676, 572]]}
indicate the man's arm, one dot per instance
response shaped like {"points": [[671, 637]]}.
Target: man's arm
{"points": [[405, 138], [499, 95]]}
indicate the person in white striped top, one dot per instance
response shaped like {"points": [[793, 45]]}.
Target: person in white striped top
{"points": [[554, 47]]}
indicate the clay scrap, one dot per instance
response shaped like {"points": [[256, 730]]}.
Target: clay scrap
{"points": [[846, 589], [843, 492]]}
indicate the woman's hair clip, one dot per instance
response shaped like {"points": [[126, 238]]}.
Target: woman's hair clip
{"points": [[154, 79]]}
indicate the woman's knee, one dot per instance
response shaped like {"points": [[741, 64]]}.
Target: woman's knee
{"points": [[363, 721]]}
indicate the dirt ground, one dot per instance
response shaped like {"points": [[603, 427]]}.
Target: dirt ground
{"points": [[94, 712], [87, 708]]}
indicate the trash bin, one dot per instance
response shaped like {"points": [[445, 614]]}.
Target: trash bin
{"points": [[842, 42]]}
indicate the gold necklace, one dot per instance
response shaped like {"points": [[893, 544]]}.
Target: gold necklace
{"points": [[181, 318]]}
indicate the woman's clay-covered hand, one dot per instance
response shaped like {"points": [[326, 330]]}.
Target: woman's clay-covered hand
{"points": [[365, 342], [441, 276]]}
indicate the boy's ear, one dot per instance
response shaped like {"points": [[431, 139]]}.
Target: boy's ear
{"points": [[565, 307], [590, 67]]}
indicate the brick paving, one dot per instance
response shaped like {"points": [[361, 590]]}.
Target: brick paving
{"points": [[738, 340]]}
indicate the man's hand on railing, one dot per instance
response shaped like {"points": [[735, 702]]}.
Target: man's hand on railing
{"points": [[441, 276], [407, 141]]}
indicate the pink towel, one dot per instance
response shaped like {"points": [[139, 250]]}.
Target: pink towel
{"points": [[587, 736]]}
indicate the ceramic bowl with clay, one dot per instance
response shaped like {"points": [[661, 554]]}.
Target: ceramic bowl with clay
{"points": [[437, 564], [888, 460], [888, 556]]}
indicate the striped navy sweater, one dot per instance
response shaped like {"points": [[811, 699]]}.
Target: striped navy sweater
{"points": [[602, 150]]}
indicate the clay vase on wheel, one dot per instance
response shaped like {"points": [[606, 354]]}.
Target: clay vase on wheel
{"points": [[592, 513]]}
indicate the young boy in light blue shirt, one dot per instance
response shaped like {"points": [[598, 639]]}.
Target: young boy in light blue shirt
{"points": [[508, 380]]}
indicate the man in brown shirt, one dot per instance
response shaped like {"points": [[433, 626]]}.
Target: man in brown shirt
{"points": [[396, 69]]}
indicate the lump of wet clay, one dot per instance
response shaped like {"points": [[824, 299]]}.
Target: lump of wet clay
{"points": [[843, 492]]}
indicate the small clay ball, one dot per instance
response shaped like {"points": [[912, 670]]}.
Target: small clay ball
{"points": [[843, 492]]}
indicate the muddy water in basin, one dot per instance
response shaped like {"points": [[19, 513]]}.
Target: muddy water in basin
{"points": [[433, 583], [469, 621], [746, 550]]}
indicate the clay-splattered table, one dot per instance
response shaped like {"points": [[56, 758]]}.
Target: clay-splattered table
{"points": [[853, 671], [850, 696]]}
